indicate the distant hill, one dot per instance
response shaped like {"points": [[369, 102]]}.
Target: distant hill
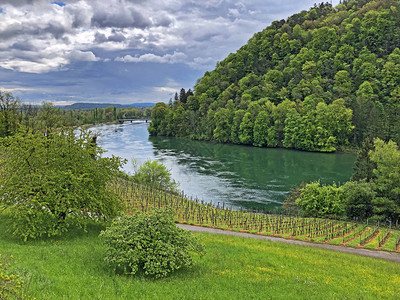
{"points": [[87, 106]]}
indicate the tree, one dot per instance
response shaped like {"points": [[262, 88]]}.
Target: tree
{"points": [[159, 119], [235, 129], [346, 58], [152, 243], [261, 126], [292, 127], [359, 198], [223, 120], [318, 200], [364, 169], [49, 182], [182, 95], [387, 172], [156, 175], [343, 83], [9, 122], [49, 117], [246, 129]]}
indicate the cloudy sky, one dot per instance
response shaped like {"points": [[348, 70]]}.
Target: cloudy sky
{"points": [[123, 51]]}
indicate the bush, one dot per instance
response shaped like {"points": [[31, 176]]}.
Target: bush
{"points": [[318, 200], [152, 243]]}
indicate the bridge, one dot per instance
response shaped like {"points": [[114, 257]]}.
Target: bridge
{"points": [[133, 120]]}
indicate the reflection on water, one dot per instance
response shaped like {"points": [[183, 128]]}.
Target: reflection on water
{"points": [[241, 176]]}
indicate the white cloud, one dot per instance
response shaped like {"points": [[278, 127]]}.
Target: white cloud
{"points": [[176, 57], [40, 66], [61, 102], [165, 89], [234, 12], [15, 89], [77, 55]]}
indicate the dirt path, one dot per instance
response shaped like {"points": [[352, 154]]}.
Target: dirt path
{"points": [[391, 256]]}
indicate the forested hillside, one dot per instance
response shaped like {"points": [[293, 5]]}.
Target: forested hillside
{"points": [[322, 80]]}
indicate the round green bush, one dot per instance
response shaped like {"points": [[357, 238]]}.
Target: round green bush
{"points": [[152, 243]]}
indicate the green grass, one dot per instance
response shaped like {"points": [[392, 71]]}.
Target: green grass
{"points": [[375, 242], [71, 267], [391, 242], [341, 239]]}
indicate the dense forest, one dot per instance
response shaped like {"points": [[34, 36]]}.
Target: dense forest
{"points": [[322, 80]]}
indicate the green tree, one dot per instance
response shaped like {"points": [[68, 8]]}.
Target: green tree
{"points": [[359, 197], [49, 182], [49, 117], [158, 119], [387, 172], [223, 122], [292, 126], [318, 200], [246, 129], [154, 174], [264, 130], [326, 54], [9, 120], [364, 169], [343, 85], [235, 129], [261, 127]]}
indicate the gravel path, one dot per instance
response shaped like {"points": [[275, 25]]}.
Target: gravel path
{"points": [[391, 256]]}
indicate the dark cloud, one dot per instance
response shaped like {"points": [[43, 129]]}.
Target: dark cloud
{"points": [[116, 37], [163, 20], [23, 46], [204, 36], [100, 38], [19, 3], [79, 13], [122, 18], [14, 30]]}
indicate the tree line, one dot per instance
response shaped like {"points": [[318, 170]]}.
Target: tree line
{"points": [[16, 116], [322, 80]]}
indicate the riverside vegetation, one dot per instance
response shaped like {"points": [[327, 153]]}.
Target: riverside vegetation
{"points": [[71, 249], [61, 256]]}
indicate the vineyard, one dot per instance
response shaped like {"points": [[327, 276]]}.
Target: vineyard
{"points": [[192, 211]]}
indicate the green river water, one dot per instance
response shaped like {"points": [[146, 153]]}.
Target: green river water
{"points": [[239, 176]]}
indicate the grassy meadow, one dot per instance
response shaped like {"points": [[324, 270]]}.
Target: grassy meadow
{"points": [[71, 267]]}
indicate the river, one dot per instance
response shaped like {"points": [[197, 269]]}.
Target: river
{"points": [[240, 176]]}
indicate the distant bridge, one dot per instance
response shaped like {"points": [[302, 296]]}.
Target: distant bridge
{"points": [[133, 120]]}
